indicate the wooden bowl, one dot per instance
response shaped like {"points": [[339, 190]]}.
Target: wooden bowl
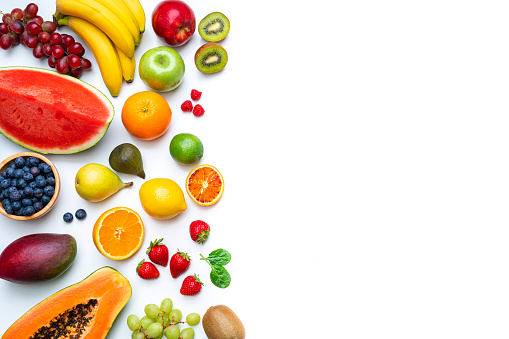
{"points": [[5, 164]]}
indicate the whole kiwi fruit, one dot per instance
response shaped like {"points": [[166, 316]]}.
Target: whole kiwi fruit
{"points": [[220, 322]]}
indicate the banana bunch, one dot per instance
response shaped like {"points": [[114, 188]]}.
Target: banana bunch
{"points": [[111, 29]]}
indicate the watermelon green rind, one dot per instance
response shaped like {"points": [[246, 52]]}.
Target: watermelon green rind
{"points": [[80, 147]]}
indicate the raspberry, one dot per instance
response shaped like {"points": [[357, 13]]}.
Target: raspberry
{"points": [[187, 106], [198, 110], [195, 95]]}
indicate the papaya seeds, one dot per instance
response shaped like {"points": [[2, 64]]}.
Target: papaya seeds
{"points": [[210, 58]]}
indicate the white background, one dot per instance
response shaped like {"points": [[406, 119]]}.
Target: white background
{"points": [[364, 149]]}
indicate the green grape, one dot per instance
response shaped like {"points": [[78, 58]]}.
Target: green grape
{"points": [[152, 310], [133, 322], [175, 315], [163, 319], [193, 319], [172, 332], [137, 335], [187, 333], [145, 322], [166, 305], [154, 330], [159, 336]]}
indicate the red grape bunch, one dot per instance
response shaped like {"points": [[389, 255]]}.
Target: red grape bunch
{"points": [[26, 27]]}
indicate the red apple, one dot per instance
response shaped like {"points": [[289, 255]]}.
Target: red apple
{"points": [[173, 22]]}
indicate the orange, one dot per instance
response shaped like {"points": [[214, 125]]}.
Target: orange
{"points": [[118, 233], [146, 115], [205, 185]]}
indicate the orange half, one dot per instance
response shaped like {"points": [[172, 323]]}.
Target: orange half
{"points": [[118, 233], [205, 185]]}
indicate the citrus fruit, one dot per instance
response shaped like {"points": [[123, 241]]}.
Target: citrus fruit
{"points": [[205, 185], [162, 198], [118, 233], [186, 149], [146, 115]]}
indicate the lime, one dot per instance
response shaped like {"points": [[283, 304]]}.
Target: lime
{"points": [[186, 149]]}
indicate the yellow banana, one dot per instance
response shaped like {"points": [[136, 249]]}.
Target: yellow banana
{"points": [[137, 12], [118, 8], [102, 18], [128, 66], [103, 49]]}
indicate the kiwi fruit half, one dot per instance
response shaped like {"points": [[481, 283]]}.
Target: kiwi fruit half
{"points": [[214, 27], [210, 58], [220, 322]]}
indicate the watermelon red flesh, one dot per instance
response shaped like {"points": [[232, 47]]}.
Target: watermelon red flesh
{"points": [[51, 113]]}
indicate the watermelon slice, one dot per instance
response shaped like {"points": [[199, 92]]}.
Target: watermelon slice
{"points": [[48, 112]]}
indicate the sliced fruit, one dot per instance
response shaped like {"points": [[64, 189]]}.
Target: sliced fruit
{"points": [[210, 58], [51, 113], [118, 233], [214, 27], [85, 310], [205, 185]]}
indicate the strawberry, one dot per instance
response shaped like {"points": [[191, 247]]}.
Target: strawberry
{"points": [[158, 252], [199, 230], [147, 270], [191, 285], [179, 263]]}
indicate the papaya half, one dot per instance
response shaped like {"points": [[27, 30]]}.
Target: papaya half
{"points": [[85, 310]]}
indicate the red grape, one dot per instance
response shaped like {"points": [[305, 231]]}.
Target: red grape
{"points": [[23, 37], [75, 48], [75, 72], [52, 61], [5, 42], [58, 51], [48, 26], [17, 26], [33, 28], [31, 10], [67, 40], [55, 38], [85, 64], [15, 38], [74, 61], [47, 48], [38, 51], [7, 18], [4, 28], [17, 13], [62, 66], [43, 37], [31, 41], [37, 19]]}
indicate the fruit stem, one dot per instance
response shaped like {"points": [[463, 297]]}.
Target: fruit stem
{"points": [[128, 184], [62, 21]]}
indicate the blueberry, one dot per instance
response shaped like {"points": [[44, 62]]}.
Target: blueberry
{"points": [[45, 168], [34, 200], [20, 184], [6, 202], [28, 211], [14, 183], [50, 181], [12, 165], [28, 192], [9, 209], [68, 217], [5, 183], [9, 172], [1, 195], [32, 184], [15, 196], [38, 206], [40, 181], [19, 162], [19, 212], [26, 202], [81, 214], [45, 200], [4, 174], [18, 173], [11, 189], [49, 191], [33, 161], [26, 169], [49, 175], [38, 193], [16, 205], [27, 176], [35, 171]]}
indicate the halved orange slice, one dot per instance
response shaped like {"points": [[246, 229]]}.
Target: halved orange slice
{"points": [[118, 233], [205, 185]]}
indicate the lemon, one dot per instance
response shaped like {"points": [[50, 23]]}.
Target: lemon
{"points": [[162, 198]]}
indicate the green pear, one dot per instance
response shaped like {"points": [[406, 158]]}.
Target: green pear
{"points": [[95, 182]]}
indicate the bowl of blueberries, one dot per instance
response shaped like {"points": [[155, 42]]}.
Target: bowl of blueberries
{"points": [[29, 186]]}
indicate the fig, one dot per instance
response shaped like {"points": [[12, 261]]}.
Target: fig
{"points": [[37, 257], [126, 158]]}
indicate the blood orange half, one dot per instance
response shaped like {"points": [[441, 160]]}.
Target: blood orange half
{"points": [[205, 185]]}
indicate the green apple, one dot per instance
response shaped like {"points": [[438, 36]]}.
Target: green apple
{"points": [[161, 69]]}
